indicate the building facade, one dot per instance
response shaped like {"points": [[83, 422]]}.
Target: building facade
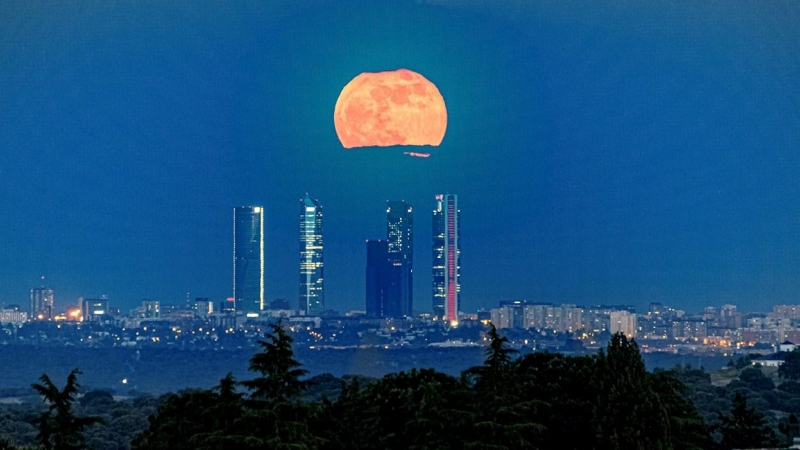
{"points": [[248, 259], [203, 306], [446, 258], [93, 308], [400, 237], [151, 309], [541, 316], [622, 322], [312, 289], [42, 304], [13, 315]]}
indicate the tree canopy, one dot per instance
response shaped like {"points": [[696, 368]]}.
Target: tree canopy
{"points": [[511, 401], [59, 427]]}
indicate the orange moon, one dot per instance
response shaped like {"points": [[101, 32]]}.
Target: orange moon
{"points": [[398, 107]]}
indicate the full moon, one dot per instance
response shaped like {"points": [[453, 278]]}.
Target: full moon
{"points": [[398, 107]]}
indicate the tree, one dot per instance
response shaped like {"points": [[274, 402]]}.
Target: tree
{"points": [[281, 373], [274, 418], [790, 428], [790, 369], [179, 419], [502, 418], [496, 366], [745, 427], [566, 394], [628, 413], [351, 421], [688, 430], [791, 387], [225, 414], [743, 361], [407, 410], [498, 355], [756, 380], [59, 428]]}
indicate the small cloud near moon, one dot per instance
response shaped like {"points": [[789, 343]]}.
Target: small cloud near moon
{"points": [[382, 109]]}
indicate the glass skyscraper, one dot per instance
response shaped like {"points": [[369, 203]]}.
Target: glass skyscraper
{"points": [[312, 292], [446, 258], [248, 259], [400, 235]]}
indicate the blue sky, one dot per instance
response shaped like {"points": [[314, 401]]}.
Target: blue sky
{"points": [[609, 153]]}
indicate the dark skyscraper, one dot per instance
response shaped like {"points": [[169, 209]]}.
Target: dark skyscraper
{"points": [[312, 292], [248, 258], [400, 235], [381, 279], [446, 257], [42, 303]]}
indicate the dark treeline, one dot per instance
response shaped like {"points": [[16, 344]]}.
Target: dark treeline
{"points": [[536, 401]]}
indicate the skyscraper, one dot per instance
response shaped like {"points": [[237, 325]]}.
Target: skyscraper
{"points": [[42, 303], [382, 281], [312, 292], [400, 235], [446, 258], [248, 258]]}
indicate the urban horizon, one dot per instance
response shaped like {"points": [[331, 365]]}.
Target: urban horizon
{"points": [[601, 155], [357, 302]]}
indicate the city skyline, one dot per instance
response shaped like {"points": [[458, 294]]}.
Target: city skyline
{"points": [[601, 155]]}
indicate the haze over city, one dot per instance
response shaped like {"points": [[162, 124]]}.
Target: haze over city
{"points": [[603, 154]]}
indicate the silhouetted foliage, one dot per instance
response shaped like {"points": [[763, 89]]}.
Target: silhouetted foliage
{"points": [[628, 413], [790, 369], [563, 387], [59, 427], [745, 427], [181, 417], [791, 387], [756, 380], [280, 372], [504, 419], [538, 401], [790, 428], [688, 430]]}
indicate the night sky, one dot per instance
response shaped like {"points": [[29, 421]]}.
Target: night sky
{"points": [[603, 152]]}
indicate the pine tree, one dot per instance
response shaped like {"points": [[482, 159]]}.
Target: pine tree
{"points": [[503, 419], [281, 373], [628, 414], [273, 417], [225, 416], [59, 428], [496, 366]]}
